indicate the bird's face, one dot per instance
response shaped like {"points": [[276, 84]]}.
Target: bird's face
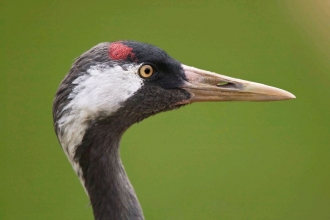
{"points": [[110, 74], [134, 80]]}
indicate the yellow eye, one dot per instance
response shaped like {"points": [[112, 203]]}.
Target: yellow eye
{"points": [[146, 71]]}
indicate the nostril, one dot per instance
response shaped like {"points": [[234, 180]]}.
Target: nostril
{"points": [[223, 83], [227, 85]]}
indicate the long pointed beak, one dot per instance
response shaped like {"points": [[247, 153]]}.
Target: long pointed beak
{"points": [[205, 86]]}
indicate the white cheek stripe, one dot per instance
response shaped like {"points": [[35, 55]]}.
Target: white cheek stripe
{"points": [[98, 92]]}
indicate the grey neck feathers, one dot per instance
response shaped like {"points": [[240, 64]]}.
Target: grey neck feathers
{"points": [[111, 194], [110, 191]]}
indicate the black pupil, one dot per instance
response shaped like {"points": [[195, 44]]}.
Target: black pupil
{"points": [[147, 70]]}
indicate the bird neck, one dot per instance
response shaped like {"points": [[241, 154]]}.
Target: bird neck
{"points": [[110, 191]]}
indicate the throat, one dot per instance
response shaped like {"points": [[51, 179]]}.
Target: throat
{"points": [[110, 191]]}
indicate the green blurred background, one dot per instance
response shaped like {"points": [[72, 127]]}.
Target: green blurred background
{"points": [[205, 161]]}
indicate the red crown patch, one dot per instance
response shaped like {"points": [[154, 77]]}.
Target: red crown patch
{"points": [[119, 51]]}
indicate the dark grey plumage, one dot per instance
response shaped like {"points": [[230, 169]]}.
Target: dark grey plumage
{"points": [[109, 189]]}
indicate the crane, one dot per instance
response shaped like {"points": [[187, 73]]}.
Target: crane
{"points": [[116, 84]]}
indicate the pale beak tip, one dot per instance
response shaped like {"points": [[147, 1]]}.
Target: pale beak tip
{"points": [[267, 93], [287, 95], [291, 96]]}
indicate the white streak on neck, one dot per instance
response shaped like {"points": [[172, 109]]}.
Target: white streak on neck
{"points": [[98, 93]]}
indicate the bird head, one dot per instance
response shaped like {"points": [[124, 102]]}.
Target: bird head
{"points": [[132, 81]]}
